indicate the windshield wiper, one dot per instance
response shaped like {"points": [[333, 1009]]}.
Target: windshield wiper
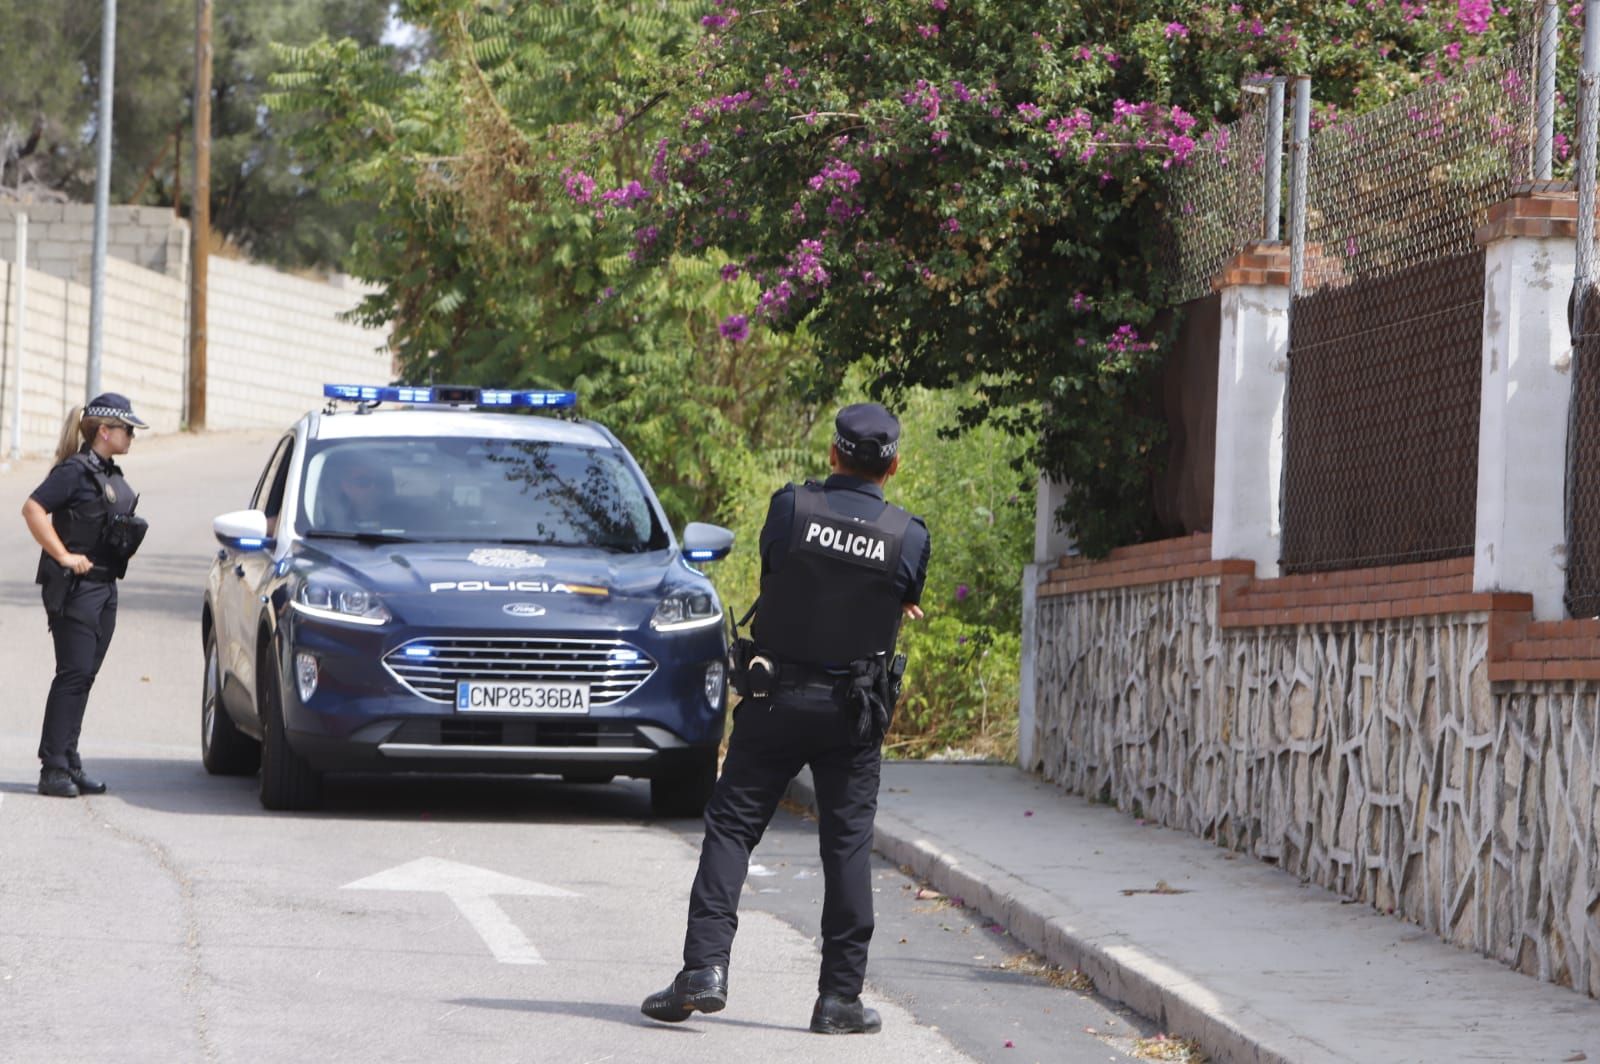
{"points": [[359, 537]]}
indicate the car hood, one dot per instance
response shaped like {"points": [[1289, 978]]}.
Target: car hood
{"points": [[463, 584]]}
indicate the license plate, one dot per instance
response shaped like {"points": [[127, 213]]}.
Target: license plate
{"points": [[478, 697]]}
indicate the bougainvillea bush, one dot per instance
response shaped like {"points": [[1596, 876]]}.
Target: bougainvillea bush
{"points": [[970, 190]]}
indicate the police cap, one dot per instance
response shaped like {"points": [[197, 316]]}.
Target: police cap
{"points": [[113, 407], [866, 432]]}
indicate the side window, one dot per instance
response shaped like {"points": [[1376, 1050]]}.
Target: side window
{"points": [[258, 497], [269, 491]]}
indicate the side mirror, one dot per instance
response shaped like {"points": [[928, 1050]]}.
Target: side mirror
{"points": [[243, 530], [706, 543]]}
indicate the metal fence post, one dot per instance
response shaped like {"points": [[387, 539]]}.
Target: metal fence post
{"points": [[1588, 123], [19, 333], [1274, 161], [1545, 130], [1300, 154]]}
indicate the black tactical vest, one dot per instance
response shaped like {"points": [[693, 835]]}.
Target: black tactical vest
{"points": [[83, 526], [834, 599]]}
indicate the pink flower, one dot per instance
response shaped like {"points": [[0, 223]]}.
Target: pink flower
{"points": [[928, 30], [1474, 15], [951, 226], [1177, 29]]}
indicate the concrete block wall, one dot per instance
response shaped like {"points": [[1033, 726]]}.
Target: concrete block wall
{"points": [[274, 339], [61, 237], [143, 358]]}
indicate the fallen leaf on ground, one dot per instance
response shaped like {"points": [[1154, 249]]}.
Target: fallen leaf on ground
{"points": [[1161, 887], [926, 893]]}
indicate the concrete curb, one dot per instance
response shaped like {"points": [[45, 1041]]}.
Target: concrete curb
{"points": [[1121, 969]]}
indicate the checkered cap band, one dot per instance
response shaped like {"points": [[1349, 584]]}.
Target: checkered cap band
{"points": [[863, 448]]}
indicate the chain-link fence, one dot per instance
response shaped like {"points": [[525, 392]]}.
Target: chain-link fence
{"points": [[1380, 463], [1583, 426], [1217, 200]]}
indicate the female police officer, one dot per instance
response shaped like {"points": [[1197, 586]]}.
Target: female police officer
{"points": [[82, 517]]}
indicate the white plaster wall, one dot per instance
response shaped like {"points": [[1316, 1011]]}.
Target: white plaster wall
{"points": [[1527, 382], [1252, 363]]}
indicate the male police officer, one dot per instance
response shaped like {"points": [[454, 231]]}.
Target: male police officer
{"points": [[839, 568]]}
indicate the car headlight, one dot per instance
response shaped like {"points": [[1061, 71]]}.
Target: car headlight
{"points": [[334, 602], [684, 610], [714, 677]]}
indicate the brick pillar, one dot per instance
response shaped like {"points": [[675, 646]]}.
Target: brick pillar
{"points": [[1252, 360], [1529, 256]]}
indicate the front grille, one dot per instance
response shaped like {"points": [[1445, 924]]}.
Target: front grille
{"points": [[469, 731], [612, 669]]}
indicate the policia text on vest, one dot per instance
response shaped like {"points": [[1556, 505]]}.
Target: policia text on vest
{"points": [[840, 568], [82, 516]]}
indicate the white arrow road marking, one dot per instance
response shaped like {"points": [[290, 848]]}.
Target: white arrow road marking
{"points": [[471, 890]]}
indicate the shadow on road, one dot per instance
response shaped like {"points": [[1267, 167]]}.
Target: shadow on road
{"points": [[610, 1011], [182, 786]]}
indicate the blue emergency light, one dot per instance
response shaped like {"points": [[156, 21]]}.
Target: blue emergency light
{"points": [[451, 395]]}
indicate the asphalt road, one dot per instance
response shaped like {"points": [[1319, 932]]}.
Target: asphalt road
{"points": [[172, 919]]}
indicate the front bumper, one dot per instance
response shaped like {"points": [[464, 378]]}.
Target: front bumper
{"points": [[361, 718]]}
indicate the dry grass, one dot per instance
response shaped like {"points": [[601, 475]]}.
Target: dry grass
{"points": [[1031, 963], [1168, 1050]]}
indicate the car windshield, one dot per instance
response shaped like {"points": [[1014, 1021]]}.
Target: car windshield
{"points": [[447, 488]]}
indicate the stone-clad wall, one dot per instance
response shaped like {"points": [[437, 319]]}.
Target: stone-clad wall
{"points": [[1371, 757]]}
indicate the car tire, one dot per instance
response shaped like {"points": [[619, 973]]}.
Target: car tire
{"points": [[685, 791], [224, 749], [288, 782]]}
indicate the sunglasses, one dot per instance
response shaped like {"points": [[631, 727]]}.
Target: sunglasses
{"points": [[125, 428]]}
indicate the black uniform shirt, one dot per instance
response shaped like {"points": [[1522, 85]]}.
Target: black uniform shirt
{"points": [[69, 484], [853, 497]]}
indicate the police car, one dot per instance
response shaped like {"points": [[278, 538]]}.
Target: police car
{"points": [[451, 586]]}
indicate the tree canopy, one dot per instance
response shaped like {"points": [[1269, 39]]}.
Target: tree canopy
{"points": [[49, 90], [942, 191]]}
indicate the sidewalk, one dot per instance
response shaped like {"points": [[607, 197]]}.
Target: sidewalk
{"points": [[1246, 961]]}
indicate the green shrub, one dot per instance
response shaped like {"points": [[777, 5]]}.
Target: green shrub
{"points": [[962, 675]]}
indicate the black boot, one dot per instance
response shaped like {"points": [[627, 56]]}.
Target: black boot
{"points": [[841, 1015], [57, 783], [85, 783], [692, 990]]}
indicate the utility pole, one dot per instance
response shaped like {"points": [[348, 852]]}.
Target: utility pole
{"points": [[102, 200], [200, 216]]}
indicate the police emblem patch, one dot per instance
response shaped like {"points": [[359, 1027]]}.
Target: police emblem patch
{"points": [[506, 558]]}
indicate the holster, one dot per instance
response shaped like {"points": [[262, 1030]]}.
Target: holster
{"points": [[55, 587], [869, 694]]}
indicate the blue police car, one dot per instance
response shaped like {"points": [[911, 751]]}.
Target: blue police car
{"points": [[451, 586]]}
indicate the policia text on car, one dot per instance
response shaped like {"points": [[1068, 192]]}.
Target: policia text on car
{"points": [[83, 518], [840, 567]]}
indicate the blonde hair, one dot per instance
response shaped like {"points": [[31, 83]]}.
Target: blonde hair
{"points": [[78, 430]]}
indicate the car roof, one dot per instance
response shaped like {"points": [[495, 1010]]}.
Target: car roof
{"points": [[402, 424]]}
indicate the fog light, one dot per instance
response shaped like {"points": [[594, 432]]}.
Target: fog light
{"points": [[714, 684], [305, 674]]}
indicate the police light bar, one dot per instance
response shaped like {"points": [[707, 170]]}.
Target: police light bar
{"points": [[451, 396]]}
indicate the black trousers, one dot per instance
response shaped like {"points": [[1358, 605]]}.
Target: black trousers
{"points": [[82, 633], [772, 740]]}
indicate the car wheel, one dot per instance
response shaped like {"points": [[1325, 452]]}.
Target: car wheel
{"points": [[287, 780], [224, 749], [685, 792]]}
